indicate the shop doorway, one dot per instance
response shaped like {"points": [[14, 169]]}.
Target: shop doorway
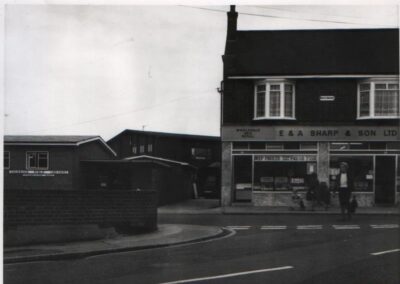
{"points": [[385, 175], [242, 177]]}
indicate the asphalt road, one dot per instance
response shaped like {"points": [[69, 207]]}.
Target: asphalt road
{"points": [[265, 249]]}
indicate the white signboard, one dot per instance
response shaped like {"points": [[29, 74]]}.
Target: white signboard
{"points": [[310, 133], [38, 173], [327, 98], [285, 158]]}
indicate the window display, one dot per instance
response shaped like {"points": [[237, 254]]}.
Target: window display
{"points": [[280, 176]]}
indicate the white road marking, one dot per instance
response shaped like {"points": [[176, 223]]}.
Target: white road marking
{"points": [[239, 227], [386, 251], [229, 275], [309, 227], [315, 227], [273, 227], [385, 226], [346, 227]]}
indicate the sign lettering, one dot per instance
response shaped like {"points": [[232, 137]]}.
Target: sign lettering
{"points": [[285, 158], [310, 133]]}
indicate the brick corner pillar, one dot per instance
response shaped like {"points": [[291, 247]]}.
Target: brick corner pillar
{"points": [[323, 162], [226, 174]]}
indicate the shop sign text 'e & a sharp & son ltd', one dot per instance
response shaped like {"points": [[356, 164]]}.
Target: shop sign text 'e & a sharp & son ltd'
{"points": [[310, 133]]}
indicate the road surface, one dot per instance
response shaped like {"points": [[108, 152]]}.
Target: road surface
{"points": [[264, 249]]}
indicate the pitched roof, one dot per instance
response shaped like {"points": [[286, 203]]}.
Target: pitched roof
{"points": [[147, 157], [313, 52], [143, 159], [54, 140], [166, 134], [46, 139]]}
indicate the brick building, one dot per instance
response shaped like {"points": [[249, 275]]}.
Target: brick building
{"points": [[301, 101]]}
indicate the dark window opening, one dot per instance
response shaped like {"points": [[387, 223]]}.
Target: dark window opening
{"points": [[6, 160], [37, 160]]}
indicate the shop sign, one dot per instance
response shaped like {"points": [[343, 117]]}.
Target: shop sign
{"points": [[326, 98], [310, 133], [285, 158], [38, 173]]}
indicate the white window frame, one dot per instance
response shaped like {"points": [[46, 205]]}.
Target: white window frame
{"points": [[141, 149], [372, 82], [37, 168], [268, 83], [134, 149], [150, 148], [9, 160]]}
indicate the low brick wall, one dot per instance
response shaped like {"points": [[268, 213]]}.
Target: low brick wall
{"points": [[122, 209]]}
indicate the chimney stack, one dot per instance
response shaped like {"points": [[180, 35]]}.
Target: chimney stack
{"points": [[232, 23]]}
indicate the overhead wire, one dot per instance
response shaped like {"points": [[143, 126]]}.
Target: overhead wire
{"points": [[328, 21], [186, 97], [287, 17], [319, 13], [120, 114]]}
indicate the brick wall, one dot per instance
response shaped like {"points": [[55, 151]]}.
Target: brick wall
{"points": [[121, 209]]}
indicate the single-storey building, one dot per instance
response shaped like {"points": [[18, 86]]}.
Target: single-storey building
{"points": [[50, 162], [63, 188]]}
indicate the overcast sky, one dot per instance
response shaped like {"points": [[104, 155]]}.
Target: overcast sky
{"points": [[102, 69]]}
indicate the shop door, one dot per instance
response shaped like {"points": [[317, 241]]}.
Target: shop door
{"points": [[385, 174], [242, 178]]}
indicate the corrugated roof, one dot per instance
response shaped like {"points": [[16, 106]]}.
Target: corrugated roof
{"points": [[313, 52], [46, 139]]}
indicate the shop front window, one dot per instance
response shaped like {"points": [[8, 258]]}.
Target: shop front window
{"points": [[361, 168], [282, 176]]}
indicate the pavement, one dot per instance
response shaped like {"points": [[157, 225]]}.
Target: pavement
{"points": [[212, 206], [166, 235]]}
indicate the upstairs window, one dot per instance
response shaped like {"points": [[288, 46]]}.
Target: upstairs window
{"points": [[274, 100], [378, 99], [37, 160]]}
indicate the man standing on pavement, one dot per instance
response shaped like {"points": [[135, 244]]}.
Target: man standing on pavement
{"points": [[344, 185]]}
